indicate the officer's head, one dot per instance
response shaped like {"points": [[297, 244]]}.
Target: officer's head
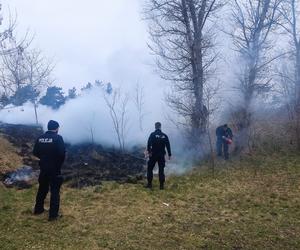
{"points": [[53, 126], [157, 125], [225, 126]]}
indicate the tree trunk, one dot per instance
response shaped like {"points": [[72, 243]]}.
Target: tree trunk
{"points": [[35, 113], [199, 119], [297, 99]]}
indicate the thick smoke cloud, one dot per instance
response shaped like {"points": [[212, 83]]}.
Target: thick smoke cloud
{"points": [[86, 115]]}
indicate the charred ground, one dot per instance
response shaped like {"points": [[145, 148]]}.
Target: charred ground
{"points": [[85, 165]]}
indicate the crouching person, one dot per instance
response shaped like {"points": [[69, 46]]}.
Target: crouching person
{"points": [[50, 149], [224, 139]]}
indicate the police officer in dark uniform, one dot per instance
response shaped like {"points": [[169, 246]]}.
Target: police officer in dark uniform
{"points": [[50, 149], [156, 147], [224, 136]]}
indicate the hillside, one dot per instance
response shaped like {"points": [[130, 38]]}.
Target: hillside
{"points": [[9, 157], [250, 204], [86, 164]]}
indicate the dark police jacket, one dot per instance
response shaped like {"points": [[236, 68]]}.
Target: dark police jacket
{"points": [[220, 132], [157, 144], [50, 149]]}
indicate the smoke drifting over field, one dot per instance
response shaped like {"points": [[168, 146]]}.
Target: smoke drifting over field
{"points": [[87, 118]]}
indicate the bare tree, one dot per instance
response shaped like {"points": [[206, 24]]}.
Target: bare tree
{"points": [[7, 40], [117, 104], [182, 37], [25, 68], [38, 71], [139, 102], [11, 52], [286, 91], [211, 94], [91, 128], [290, 76], [22, 67], [253, 23]]}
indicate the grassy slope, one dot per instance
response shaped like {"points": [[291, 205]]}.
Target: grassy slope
{"points": [[9, 159], [251, 205]]}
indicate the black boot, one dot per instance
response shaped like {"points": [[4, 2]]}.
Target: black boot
{"points": [[149, 185], [54, 218], [38, 211], [161, 186]]}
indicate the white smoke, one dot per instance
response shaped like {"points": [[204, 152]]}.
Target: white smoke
{"points": [[89, 112], [87, 116]]}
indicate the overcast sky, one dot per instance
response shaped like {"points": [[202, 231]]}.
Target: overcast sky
{"points": [[99, 40], [91, 39]]}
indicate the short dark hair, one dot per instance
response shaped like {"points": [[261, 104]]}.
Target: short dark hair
{"points": [[53, 125], [157, 125], [225, 125]]}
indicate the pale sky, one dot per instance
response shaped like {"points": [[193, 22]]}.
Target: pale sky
{"points": [[91, 39]]}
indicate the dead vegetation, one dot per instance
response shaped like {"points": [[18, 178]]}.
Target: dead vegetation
{"points": [[85, 165], [250, 204], [9, 158]]}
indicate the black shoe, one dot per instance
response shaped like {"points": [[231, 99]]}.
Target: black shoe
{"points": [[38, 212], [161, 186], [55, 218], [148, 186]]}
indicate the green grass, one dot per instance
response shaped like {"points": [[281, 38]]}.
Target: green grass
{"points": [[250, 204]]}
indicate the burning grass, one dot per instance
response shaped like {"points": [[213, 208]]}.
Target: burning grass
{"points": [[249, 205]]}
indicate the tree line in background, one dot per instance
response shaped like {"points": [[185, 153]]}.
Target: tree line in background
{"points": [[264, 37], [54, 97]]}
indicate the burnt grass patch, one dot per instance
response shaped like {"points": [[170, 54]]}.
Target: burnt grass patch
{"points": [[86, 164]]}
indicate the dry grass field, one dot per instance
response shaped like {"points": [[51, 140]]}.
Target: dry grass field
{"points": [[253, 203], [9, 159]]}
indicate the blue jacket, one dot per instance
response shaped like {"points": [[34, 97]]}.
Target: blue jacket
{"points": [[220, 132]]}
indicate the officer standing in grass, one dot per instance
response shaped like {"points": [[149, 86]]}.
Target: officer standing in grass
{"points": [[50, 149], [156, 147]]}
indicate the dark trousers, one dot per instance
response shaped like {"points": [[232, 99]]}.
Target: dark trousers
{"points": [[53, 182], [223, 147], [161, 167]]}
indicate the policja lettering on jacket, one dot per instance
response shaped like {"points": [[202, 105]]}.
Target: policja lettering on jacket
{"points": [[50, 149]]}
